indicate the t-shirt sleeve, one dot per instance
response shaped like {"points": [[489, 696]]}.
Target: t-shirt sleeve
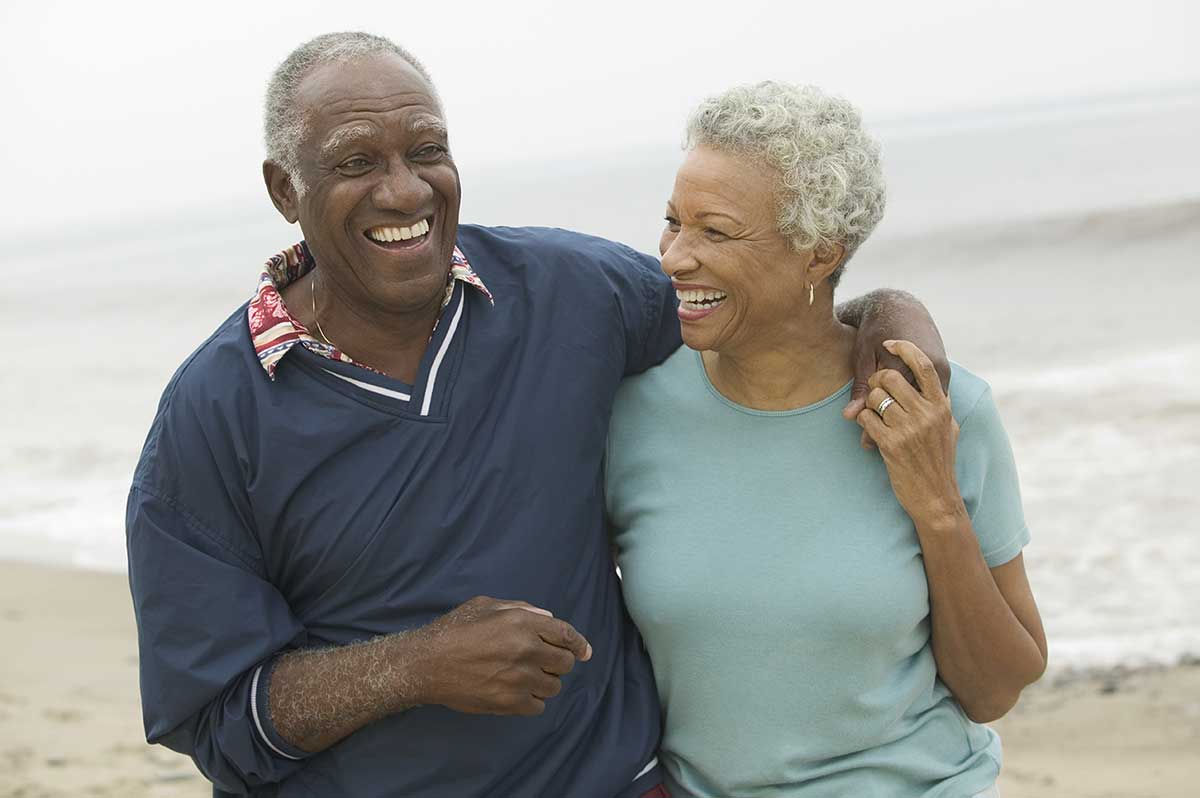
{"points": [[210, 622], [987, 477]]}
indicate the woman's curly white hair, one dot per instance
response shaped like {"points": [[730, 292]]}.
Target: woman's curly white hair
{"points": [[831, 188]]}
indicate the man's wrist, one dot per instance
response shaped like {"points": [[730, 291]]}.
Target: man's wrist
{"points": [[406, 662]]}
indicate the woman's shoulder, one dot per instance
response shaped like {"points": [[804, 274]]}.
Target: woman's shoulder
{"points": [[968, 392], [661, 387]]}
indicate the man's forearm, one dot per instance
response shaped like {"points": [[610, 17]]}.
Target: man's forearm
{"points": [[319, 697], [888, 313], [484, 656], [881, 300]]}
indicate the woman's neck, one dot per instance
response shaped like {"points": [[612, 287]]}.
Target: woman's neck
{"points": [[793, 367]]}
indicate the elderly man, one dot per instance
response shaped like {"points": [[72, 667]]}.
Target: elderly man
{"points": [[408, 413]]}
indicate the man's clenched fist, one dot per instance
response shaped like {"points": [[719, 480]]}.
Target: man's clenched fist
{"points": [[495, 657]]}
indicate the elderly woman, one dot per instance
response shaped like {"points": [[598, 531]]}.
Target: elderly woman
{"points": [[823, 620]]}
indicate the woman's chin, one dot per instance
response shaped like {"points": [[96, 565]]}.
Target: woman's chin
{"points": [[693, 339]]}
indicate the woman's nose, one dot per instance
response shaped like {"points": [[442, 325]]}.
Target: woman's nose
{"points": [[676, 254]]}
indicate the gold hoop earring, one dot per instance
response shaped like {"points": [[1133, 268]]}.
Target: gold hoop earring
{"points": [[810, 294]]}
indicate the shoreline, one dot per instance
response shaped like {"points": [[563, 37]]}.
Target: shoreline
{"points": [[70, 720]]}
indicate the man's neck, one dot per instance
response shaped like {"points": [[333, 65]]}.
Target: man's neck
{"points": [[392, 343], [798, 366]]}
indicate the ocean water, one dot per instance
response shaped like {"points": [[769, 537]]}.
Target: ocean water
{"points": [[1058, 250]]}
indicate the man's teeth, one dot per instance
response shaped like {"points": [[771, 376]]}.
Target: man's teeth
{"points": [[385, 234], [698, 299]]}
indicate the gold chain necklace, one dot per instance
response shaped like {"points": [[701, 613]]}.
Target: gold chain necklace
{"points": [[313, 293], [313, 286]]}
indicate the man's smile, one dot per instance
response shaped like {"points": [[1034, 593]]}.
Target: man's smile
{"points": [[392, 237]]}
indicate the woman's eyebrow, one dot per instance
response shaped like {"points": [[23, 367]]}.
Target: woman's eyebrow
{"points": [[705, 214]]}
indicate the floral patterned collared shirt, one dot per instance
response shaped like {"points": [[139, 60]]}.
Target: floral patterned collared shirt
{"points": [[273, 328]]}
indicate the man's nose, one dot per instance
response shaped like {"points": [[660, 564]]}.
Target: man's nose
{"points": [[400, 188]]}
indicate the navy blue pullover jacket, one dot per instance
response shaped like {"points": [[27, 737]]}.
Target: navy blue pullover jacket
{"points": [[306, 511]]}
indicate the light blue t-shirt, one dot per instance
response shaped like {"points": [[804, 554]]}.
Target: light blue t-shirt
{"points": [[779, 587]]}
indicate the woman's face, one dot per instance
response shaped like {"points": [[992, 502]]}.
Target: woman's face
{"points": [[739, 282]]}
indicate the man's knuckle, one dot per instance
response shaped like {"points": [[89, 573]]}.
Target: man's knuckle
{"points": [[514, 619], [530, 645], [567, 633]]}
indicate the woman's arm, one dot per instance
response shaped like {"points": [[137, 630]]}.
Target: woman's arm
{"points": [[986, 632]]}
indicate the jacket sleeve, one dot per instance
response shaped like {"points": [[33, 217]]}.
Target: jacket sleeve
{"points": [[210, 622], [209, 627], [647, 305]]}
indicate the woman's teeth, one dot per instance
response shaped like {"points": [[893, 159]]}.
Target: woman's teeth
{"points": [[386, 234], [698, 299]]}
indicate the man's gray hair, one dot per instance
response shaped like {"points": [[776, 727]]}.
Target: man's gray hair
{"points": [[284, 124], [830, 188]]}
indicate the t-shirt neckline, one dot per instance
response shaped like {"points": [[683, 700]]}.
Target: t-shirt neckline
{"points": [[750, 411]]}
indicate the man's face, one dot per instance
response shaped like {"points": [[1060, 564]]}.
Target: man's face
{"points": [[377, 165]]}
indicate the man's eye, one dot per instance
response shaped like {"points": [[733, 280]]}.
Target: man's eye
{"points": [[714, 234], [356, 164], [431, 152], [672, 223]]}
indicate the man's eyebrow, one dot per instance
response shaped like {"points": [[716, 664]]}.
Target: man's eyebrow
{"points": [[424, 123], [343, 136]]}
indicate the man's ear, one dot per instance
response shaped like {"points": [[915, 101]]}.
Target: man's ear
{"points": [[282, 191], [824, 261]]}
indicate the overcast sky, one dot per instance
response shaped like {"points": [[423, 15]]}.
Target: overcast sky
{"points": [[116, 109]]}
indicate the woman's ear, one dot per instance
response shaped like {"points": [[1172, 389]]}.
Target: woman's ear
{"points": [[824, 261]]}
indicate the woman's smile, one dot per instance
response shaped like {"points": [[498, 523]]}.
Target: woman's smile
{"points": [[698, 301]]}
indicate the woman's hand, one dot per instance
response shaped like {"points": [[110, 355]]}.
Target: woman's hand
{"points": [[917, 436], [882, 315]]}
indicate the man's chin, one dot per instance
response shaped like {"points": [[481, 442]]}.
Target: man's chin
{"points": [[415, 296]]}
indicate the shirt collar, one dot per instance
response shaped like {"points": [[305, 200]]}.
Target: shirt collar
{"points": [[274, 330]]}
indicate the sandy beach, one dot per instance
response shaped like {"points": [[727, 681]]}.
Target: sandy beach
{"points": [[70, 722]]}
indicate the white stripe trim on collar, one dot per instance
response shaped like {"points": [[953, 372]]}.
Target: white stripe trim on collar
{"points": [[372, 388], [437, 361]]}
